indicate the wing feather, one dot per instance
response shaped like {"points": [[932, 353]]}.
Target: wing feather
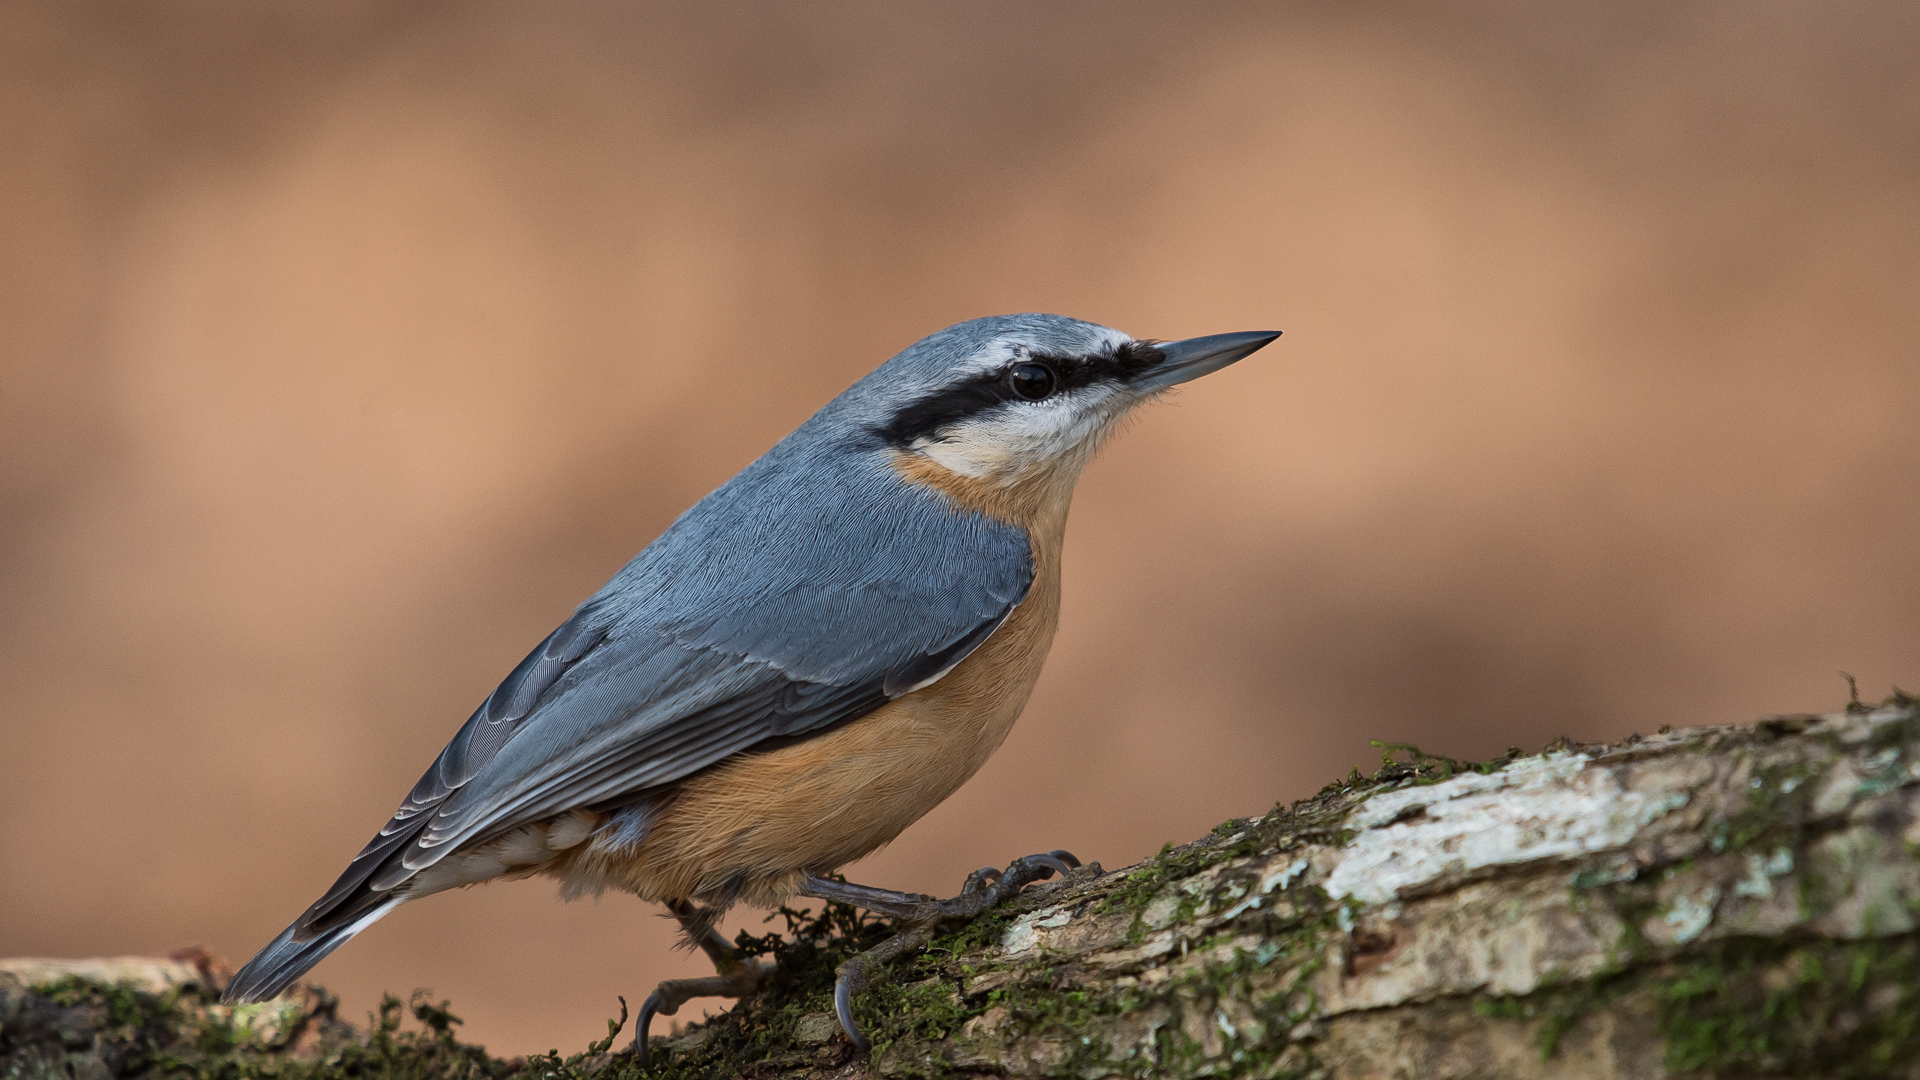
{"points": [[788, 602], [472, 747]]}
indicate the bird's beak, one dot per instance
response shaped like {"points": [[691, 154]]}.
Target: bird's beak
{"points": [[1187, 360]]}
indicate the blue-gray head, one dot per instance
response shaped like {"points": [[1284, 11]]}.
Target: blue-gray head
{"points": [[1008, 397]]}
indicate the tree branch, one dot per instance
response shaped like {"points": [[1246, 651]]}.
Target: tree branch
{"points": [[1713, 901]]}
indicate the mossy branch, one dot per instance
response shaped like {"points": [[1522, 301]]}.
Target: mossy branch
{"points": [[1715, 901]]}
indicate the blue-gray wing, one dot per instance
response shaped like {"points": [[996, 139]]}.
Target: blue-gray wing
{"points": [[782, 605]]}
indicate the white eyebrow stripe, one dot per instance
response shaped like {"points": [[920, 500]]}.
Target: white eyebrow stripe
{"points": [[996, 355], [1002, 351]]}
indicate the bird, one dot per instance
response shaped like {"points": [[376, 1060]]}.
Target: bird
{"points": [[804, 663]]}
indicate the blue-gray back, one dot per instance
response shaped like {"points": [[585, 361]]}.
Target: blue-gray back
{"points": [[805, 592]]}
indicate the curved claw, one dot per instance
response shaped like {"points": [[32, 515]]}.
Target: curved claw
{"points": [[921, 917], [980, 879], [1052, 862], [843, 1008], [640, 1026]]}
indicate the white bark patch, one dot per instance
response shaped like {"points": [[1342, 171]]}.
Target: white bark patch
{"points": [[1689, 915], [1024, 934], [1277, 879], [1761, 870], [1552, 807]]}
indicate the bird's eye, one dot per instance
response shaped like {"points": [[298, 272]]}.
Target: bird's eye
{"points": [[1033, 382]]}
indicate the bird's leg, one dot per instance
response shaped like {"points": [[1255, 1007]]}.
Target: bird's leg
{"points": [[738, 976], [920, 917]]}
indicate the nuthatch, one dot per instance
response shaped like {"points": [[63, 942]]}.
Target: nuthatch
{"points": [[807, 661]]}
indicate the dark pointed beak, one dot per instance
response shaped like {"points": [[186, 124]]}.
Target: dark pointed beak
{"points": [[1187, 360]]}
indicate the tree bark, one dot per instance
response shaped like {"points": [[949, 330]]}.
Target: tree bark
{"points": [[1735, 901]]}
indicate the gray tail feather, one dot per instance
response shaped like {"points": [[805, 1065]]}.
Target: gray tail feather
{"points": [[275, 967]]}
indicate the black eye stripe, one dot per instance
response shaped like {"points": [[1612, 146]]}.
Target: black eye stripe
{"points": [[990, 389], [950, 404]]}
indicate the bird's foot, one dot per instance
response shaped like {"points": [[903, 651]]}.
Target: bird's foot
{"points": [[737, 976], [740, 981], [921, 917]]}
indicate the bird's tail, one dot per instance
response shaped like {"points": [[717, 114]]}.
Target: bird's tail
{"points": [[275, 967]]}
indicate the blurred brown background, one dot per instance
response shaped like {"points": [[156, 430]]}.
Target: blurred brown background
{"points": [[344, 347]]}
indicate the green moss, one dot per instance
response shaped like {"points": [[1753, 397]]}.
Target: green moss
{"points": [[77, 1027], [1834, 1009], [764, 1028], [913, 1016], [1144, 882], [1748, 1006], [1270, 987], [1265, 989], [1556, 1009], [1070, 1016], [1778, 804], [1419, 768]]}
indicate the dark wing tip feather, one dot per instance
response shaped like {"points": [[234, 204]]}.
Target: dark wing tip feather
{"points": [[346, 897], [284, 960], [380, 865]]}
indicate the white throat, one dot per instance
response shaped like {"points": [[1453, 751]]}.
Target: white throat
{"points": [[1016, 441]]}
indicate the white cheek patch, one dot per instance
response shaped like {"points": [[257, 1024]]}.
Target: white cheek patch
{"points": [[1023, 435]]}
